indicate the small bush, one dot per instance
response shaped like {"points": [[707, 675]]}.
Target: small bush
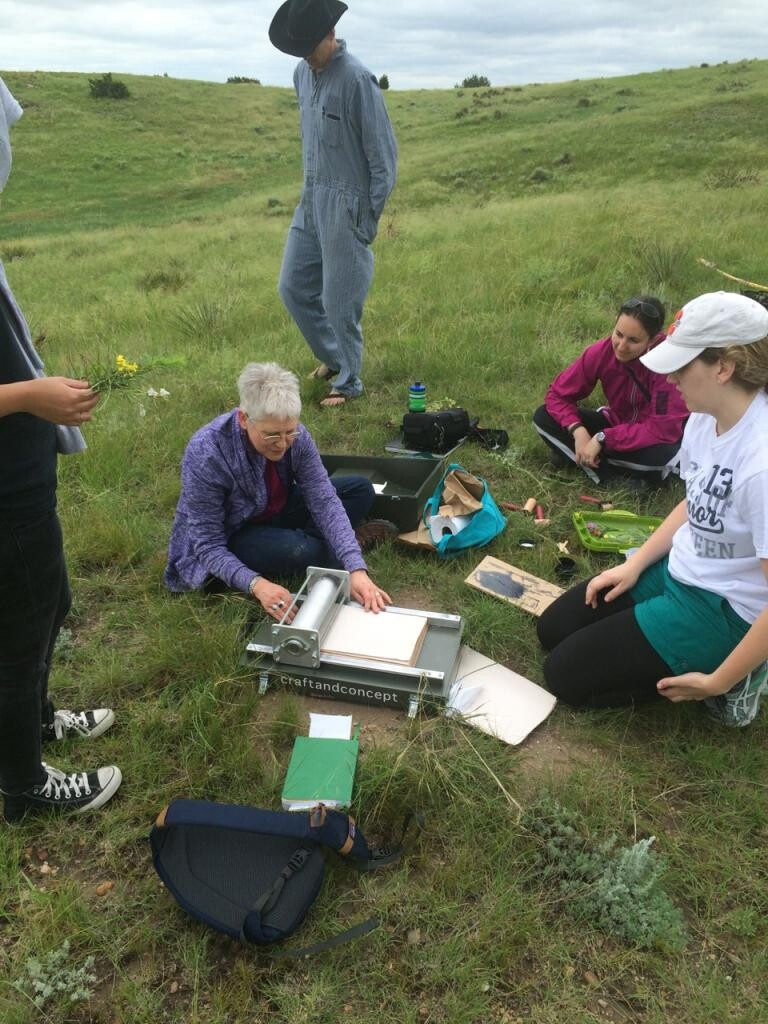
{"points": [[53, 976], [732, 176], [168, 279], [203, 319], [475, 82], [585, 102], [661, 263], [9, 253], [242, 80], [384, 82], [539, 175], [108, 87], [617, 889], [736, 86]]}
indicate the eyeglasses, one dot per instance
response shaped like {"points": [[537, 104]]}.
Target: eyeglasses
{"points": [[289, 436], [646, 308]]}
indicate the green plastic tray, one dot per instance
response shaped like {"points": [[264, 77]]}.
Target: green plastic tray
{"points": [[621, 530]]}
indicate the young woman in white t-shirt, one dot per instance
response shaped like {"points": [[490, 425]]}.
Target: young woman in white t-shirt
{"points": [[686, 617]]}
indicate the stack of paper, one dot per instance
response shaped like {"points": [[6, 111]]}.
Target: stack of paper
{"points": [[388, 636], [322, 766]]}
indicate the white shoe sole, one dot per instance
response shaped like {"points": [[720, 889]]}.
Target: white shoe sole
{"points": [[109, 789], [107, 723]]}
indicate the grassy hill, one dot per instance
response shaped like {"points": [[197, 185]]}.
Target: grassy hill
{"points": [[153, 227]]}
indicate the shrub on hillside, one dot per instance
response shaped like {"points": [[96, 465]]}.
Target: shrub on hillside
{"points": [[732, 176], [617, 889], [241, 79], [108, 87], [474, 82], [384, 82]]}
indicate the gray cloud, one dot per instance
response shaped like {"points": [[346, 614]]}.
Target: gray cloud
{"points": [[434, 44]]}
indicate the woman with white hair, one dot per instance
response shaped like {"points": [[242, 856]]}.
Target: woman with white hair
{"points": [[256, 502], [686, 616]]}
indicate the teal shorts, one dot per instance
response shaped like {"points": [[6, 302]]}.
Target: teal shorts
{"points": [[693, 630]]}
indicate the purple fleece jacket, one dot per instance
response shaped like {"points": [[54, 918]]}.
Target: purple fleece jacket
{"points": [[643, 409], [223, 487]]}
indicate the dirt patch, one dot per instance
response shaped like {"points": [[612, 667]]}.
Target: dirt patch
{"points": [[549, 752], [417, 598], [378, 725]]}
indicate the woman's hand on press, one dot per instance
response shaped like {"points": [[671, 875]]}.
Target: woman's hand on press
{"points": [[363, 589], [615, 581], [274, 599]]}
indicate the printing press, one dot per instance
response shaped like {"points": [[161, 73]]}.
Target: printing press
{"points": [[291, 654]]}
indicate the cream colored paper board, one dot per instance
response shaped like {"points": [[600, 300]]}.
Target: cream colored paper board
{"points": [[496, 700], [386, 637]]}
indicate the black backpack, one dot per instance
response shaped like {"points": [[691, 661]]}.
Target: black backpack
{"points": [[435, 431], [253, 874], [440, 431]]}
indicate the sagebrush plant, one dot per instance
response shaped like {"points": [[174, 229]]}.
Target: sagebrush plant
{"points": [[617, 889], [53, 976]]}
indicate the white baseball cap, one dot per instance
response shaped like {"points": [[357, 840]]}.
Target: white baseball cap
{"points": [[714, 320]]}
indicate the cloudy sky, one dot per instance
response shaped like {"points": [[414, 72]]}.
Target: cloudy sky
{"points": [[418, 43]]}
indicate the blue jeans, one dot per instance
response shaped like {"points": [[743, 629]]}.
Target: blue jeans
{"points": [[289, 542], [34, 599]]}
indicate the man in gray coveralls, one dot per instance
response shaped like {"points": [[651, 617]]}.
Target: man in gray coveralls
{"points": [[350, 161]]}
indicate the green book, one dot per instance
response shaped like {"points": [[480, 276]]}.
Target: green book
{"points": [[320, 771]]}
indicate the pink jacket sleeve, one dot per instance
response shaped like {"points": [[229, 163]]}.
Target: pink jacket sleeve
{"points": [[573, 384]]}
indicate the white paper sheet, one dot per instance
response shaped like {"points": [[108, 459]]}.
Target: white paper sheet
{"points": [[496, 700], [330, 727]]}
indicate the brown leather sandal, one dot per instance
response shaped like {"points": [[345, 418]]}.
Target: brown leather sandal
{"points": [[334, 400], [322, 372]]}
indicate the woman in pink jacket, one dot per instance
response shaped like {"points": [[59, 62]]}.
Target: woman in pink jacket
{"points": [[639, 429]]}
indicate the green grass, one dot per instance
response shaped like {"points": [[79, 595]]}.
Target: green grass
{"points": [[154, 227]]}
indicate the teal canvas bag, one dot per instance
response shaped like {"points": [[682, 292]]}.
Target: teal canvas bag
{"points": [[478, 526]]}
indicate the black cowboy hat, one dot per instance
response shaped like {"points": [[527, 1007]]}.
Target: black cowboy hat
{"points": [[300, 25]]}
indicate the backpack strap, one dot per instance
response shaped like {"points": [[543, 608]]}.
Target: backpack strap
{"points": [[336, 940], [268, 899], [382, 856]]}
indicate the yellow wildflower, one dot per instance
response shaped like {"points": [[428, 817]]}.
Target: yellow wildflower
{"points": [[124, 367]]}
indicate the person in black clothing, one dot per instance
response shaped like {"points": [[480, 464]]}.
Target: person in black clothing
{"points": [[39, 417]]}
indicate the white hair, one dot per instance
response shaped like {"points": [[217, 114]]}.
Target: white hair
{"points": [[267, 390]]}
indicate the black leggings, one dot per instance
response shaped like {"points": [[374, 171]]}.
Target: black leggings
{"points": [[599, 658], [641, 462]]}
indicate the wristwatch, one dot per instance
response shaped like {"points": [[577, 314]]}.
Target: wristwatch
{"points": [[600, 437]]}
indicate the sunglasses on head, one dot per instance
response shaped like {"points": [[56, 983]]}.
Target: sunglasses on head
{"points": [[646, 308]]}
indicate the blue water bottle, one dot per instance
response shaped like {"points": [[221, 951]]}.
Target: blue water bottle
{"points": [[417, 397]]}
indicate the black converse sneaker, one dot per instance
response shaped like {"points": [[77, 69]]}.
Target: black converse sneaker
{"points": [[78, 723], [74, 793]]}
